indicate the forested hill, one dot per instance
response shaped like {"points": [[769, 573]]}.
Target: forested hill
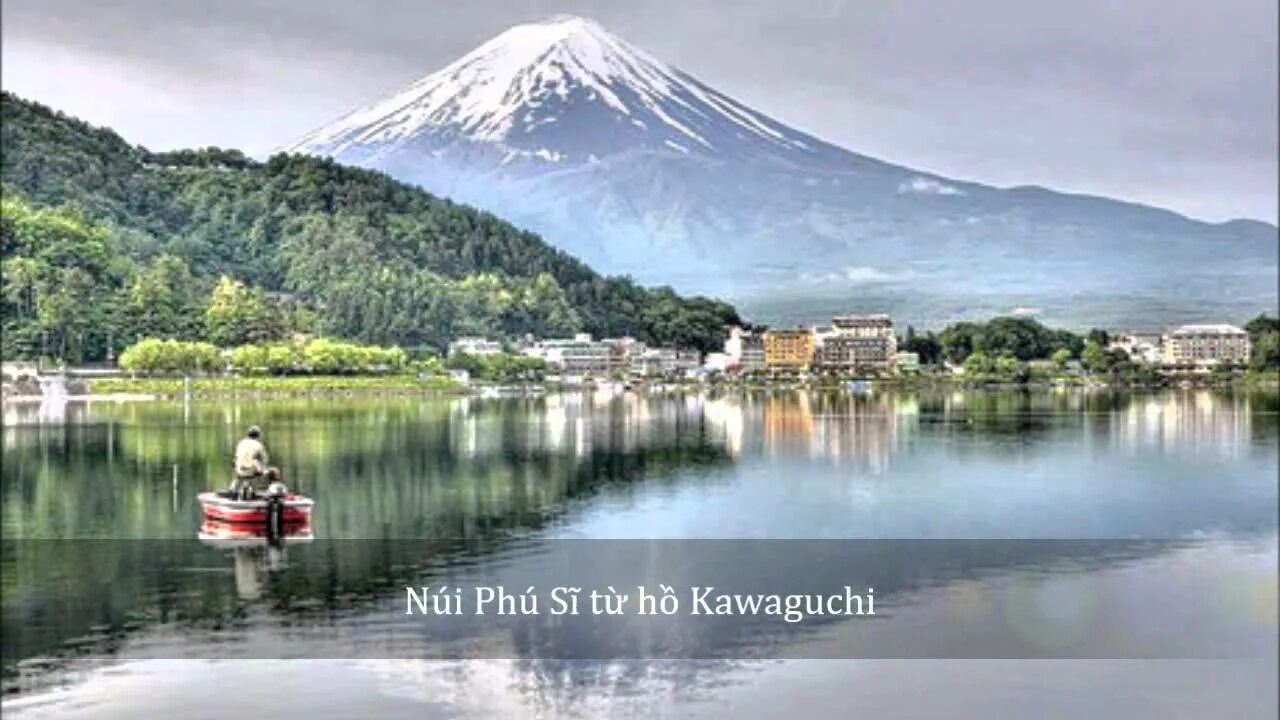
{"points": [[101, 238]]}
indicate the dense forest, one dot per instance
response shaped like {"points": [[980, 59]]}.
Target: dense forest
{"points": [[104, 242]]}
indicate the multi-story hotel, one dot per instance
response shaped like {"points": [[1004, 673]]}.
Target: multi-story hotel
{"points": [[1198, 347], [868, 326], [856, 342], [667, 361], [580, 356], [788, 349]]}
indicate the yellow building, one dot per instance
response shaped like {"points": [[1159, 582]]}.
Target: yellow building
{"points": [[788, 349]]}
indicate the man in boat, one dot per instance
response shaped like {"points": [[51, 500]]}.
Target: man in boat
{"points": [[252, 471]]}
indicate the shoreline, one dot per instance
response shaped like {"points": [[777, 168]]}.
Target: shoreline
{"points": [[161, 389]]}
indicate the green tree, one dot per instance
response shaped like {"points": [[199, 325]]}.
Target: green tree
{"points": [[959, 341], [978, 364], [164, 300], [60, 282], [249, 359], [1264, 337], [927, 346], [1094, 357], [1265, 354], [238, 314]]}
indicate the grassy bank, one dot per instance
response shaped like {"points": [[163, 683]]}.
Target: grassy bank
{"points": [[303, 385], [285, 385]]}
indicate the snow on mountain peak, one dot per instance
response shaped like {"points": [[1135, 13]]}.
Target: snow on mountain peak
{"points": [[512, 88]]}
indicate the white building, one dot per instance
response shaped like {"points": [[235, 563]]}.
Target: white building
{"points": [[669, 361], [717, 362], [856, 342], [578, 356], [626, 353], [1203, 347], [906, 362], [744, 349], [1141, 347], [474, 346]]}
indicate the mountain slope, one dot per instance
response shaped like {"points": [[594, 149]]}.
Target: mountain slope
{"points": [[639, 168], [382, 260]]}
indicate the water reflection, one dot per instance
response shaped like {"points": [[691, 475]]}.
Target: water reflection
{"points": [[840, 427], [486, 483], [257, 555], [1195, 421]]}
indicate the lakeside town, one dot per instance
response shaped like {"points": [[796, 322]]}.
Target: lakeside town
{"points": [[858, 349], [867, 346]]}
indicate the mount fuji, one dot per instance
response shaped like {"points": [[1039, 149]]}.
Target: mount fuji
{"points": [[639, 168]]}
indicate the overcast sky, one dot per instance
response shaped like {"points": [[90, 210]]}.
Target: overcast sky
{"points": [[1168, 102]]}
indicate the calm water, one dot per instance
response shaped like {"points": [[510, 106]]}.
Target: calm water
{"points": [[106, 586]]}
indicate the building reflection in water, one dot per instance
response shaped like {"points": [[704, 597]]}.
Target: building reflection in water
{"points": [[575, 424], [838, 427], [1195, 422]]}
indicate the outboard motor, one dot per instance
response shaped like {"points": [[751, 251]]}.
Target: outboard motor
{"points": [[275, 517], [275, 509]]}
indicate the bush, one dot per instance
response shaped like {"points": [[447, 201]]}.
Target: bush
{"points": [[153, 355], [321, 356]]}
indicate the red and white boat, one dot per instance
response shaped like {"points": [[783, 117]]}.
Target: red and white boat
{"points": [[227, 536], [228, 508]]}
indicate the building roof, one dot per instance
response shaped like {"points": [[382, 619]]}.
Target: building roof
{"points": [[878, 319], [1221, 329]]}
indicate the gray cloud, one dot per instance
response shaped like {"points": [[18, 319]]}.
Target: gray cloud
{"points": [[1170, 103]]}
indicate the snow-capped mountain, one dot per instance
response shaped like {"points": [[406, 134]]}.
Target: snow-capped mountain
{"points": [[564, 91], [639, 168]]}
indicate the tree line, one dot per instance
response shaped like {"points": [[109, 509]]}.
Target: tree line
{"points": [[1002, 346]]}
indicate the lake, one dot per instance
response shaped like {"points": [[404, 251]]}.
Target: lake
{"points": [[1054, 554]]}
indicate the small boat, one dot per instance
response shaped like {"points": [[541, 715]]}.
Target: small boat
{"points": [[227, 536], [228, 507]]}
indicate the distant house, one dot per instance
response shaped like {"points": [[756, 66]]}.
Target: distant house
{"points": [[474, 346], [906, 362], [1141, 346]]}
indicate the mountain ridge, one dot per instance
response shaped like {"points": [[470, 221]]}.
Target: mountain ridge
{"points": [[387, 262], [566, 27]]}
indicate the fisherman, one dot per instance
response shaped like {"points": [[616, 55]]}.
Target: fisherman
{"points": [[252, 472]]}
